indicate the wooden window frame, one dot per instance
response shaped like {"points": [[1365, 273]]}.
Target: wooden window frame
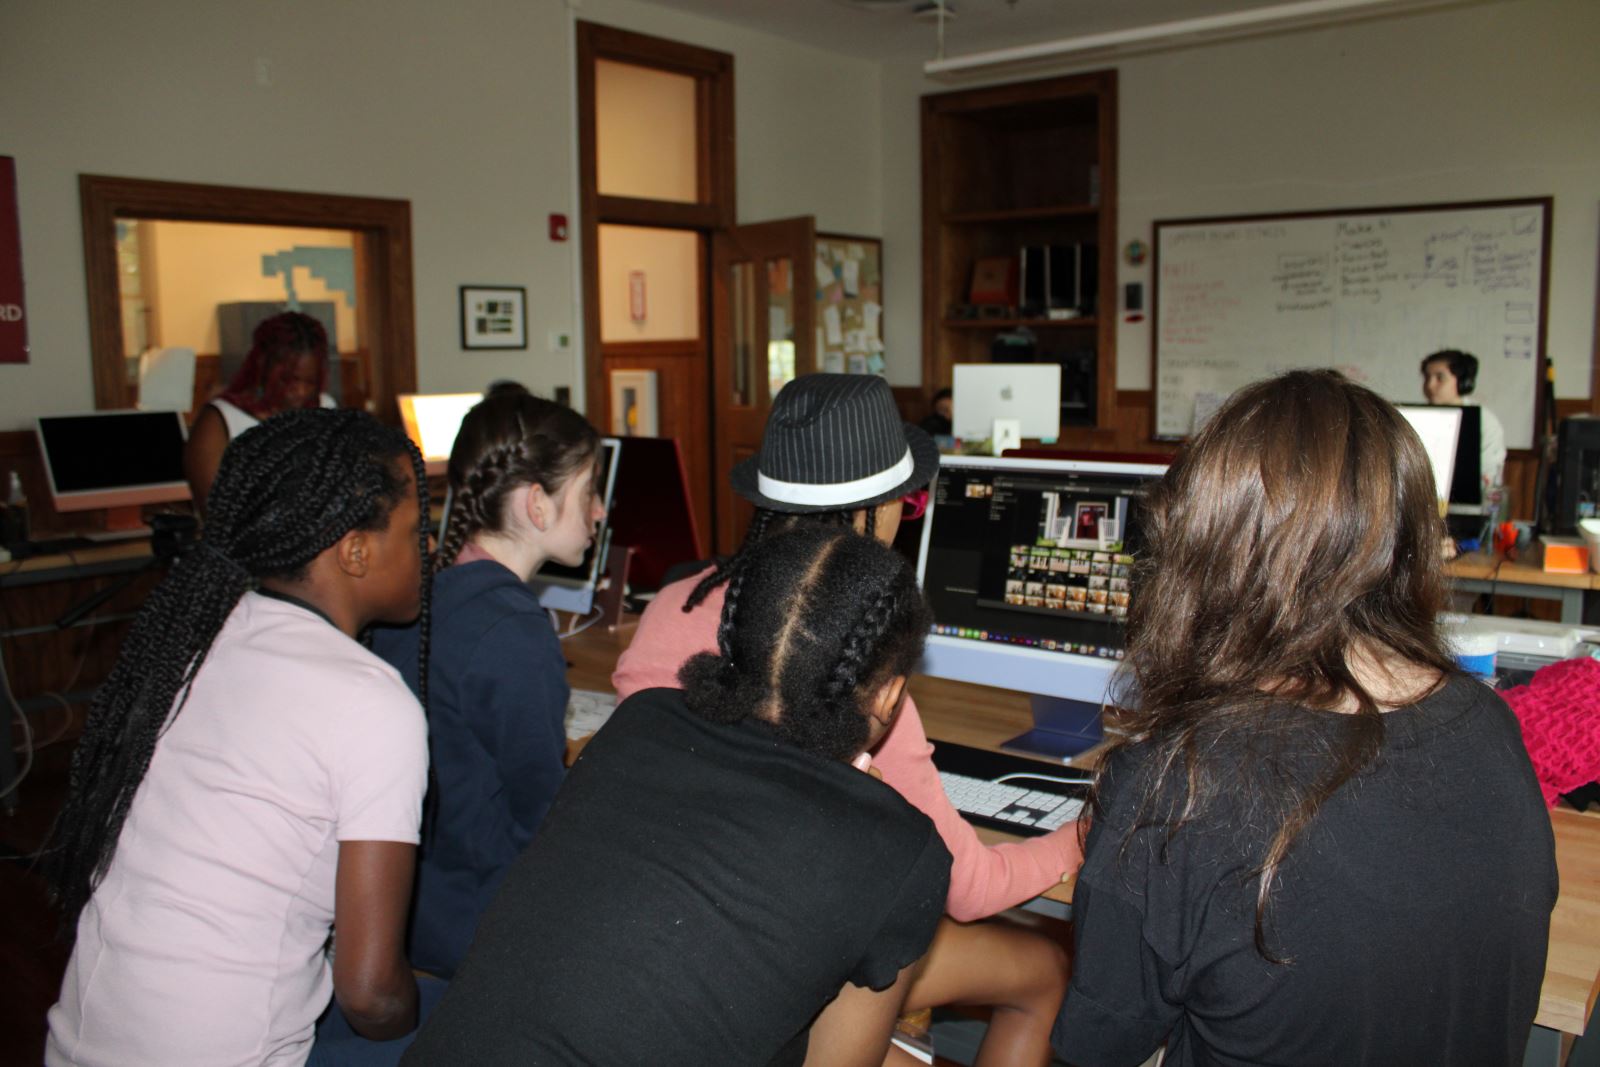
{"points": [[383, 259]]}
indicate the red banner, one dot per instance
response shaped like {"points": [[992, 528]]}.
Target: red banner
{"points": [[13, 314]]}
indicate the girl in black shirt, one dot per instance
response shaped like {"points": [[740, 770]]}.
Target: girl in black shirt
{"points": [[1315, 840]]}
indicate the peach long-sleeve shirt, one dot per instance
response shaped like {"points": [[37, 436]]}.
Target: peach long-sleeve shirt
{"points": [[984, 879]]}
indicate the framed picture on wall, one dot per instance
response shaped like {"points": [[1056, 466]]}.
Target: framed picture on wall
{"points": [[494, 316], [633, 404]]}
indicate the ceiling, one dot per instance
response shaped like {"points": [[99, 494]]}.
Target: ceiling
{"points": [[888, 29]]}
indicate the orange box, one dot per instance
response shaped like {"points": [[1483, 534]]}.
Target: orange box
{"points": [[1565, 555]]}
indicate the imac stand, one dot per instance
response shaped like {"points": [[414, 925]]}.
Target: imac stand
{"points": [[1062, 728]]}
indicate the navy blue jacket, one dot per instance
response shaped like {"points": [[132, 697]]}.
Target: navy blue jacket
{"points": [[497, 701]]}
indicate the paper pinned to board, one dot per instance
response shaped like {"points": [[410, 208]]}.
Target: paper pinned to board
{"points": [[587, 711], [852, 277], [871, 317], [824, 271], [832, 326]]}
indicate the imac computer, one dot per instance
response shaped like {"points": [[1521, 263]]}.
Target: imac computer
{"points": [[1026, 564], [572, 589], [653, 512], [1027, 392], [432, 421], [118, 461], [1440, 430]]}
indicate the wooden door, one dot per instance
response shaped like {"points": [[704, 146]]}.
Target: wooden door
{"points": [[763, 296]]}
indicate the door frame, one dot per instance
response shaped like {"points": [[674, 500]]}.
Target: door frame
{"points": [[712, 211], [383, 266]]}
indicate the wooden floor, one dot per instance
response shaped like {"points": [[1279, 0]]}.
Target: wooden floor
{"points": [[31, 957]]}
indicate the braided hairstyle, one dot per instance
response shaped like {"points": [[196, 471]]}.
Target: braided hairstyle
{"points": [[766, 524], [286, 491], [816, 619], [509, 439], [261, 382]]}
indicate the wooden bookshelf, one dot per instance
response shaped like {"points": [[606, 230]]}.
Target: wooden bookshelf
{"points": [[1033, 163]]}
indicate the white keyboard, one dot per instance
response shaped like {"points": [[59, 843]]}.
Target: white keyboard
{"points": [[1009, 802]]}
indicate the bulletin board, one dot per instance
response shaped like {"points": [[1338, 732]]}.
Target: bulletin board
{"points": [[1369, 292], [849, 280]]}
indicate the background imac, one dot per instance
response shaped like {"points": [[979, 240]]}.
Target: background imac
{"points": [[116, 460], [1026, 564], [432, 421], [983, 392], [1439, 428]]}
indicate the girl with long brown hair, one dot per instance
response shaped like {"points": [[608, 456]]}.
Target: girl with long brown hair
{"points": [[1315, 840]]}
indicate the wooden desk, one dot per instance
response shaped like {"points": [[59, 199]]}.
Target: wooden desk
{"points": [[983, 717], [1477, 572]]}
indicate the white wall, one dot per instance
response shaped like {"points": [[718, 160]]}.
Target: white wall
{"points": [[464, 109], [1483, 102]]}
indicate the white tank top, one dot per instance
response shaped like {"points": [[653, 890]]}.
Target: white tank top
{"points": [[239, 420]]}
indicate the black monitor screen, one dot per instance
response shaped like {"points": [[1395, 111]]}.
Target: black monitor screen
{"points": [[652, 511], [1036, 556], [121, 450]]}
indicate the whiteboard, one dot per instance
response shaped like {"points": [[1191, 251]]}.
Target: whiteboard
{"points": [[1368, 292]]}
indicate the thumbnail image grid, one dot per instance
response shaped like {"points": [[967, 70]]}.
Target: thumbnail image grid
{"points": [[1076, 580]]}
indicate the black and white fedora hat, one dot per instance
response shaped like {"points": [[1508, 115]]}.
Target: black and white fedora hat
{"points": [[835, 442]]}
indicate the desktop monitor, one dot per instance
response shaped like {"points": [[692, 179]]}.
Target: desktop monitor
{"points": [[1026, 564], [432, 421], [1577, 472], [572, 589], [114, 460], [653, 511], [1440, 429], [983, 392], [1462, 485]]}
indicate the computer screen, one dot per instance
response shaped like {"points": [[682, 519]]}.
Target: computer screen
{"points": [[1462, 484], [432, 421], [1026, 564], [653, 511], [114, 460], [983, 392], [572, 588], [1439, 427]]}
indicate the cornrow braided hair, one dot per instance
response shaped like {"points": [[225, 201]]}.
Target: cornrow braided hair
{"points": [[765, 524], [815, 620], [509, 439], [286, 491]]}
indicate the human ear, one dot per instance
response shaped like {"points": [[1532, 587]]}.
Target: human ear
{"points": [[886, 701], [354, 553], [540, 508]]}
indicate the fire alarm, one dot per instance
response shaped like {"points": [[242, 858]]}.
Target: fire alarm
{"points": [[558, 227]]}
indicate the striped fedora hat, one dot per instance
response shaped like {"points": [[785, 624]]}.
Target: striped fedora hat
{"points": [[835, 442]]}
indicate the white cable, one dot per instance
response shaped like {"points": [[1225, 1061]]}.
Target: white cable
{"points": [[595, 615], [27, 734]]}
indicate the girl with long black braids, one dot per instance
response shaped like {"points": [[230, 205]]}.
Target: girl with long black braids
{"points": [[716, 883], [250, 774], [523, 474]]}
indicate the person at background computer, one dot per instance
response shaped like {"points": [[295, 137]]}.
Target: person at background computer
{"points": [[523, 478], [1448, 378], [937, 423], [835, 453], [1314, 839], [250, 774], [286, 369], [715, 884]]}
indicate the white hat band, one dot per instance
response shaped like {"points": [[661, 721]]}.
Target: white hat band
{"points": [[823, 494]]}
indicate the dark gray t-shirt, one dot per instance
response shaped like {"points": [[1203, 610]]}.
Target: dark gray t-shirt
{"points": [[1415, 908], [696, 895]]}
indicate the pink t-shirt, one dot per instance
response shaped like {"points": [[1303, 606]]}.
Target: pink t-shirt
{"points": [[204, 942], [984, 879]]}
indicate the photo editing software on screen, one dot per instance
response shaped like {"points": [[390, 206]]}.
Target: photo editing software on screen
{"points": [[1036, 556]]}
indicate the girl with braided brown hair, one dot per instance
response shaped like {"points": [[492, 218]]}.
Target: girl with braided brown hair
{"points": [[250, 774], [522, 474], [715, 883]]}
